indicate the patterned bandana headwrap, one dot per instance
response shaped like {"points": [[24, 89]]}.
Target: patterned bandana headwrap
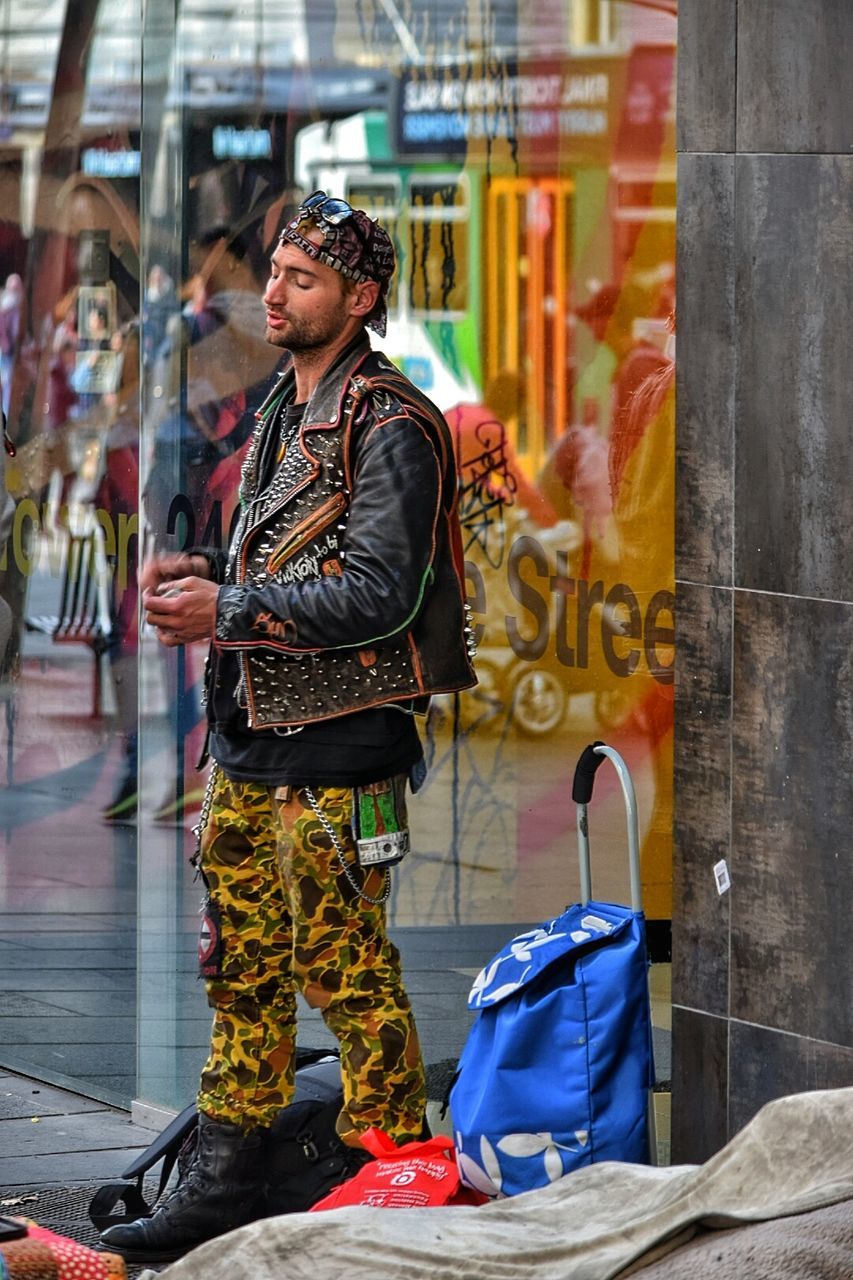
{"points": [[353, 244]]}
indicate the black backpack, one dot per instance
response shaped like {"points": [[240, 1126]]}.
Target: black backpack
{"points": [[304, 1158]]}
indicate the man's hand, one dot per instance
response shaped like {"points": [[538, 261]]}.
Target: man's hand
{"points": [[181, 608], [158, 570], [185, 613]]}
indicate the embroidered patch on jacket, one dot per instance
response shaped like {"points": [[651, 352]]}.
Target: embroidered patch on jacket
{"points": [[275, 628], [308, 563]]}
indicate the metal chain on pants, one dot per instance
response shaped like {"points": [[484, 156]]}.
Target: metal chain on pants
{"points": [[332, 834], [203, 816]]}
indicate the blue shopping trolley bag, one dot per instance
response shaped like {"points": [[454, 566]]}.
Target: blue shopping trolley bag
{"points": [[557, 1069]]}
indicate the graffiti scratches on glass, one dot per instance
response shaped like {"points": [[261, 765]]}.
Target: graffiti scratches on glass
{"points": [[487, 487]]}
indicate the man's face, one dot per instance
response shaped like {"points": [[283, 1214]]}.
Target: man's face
{"points": [[305, 301]]}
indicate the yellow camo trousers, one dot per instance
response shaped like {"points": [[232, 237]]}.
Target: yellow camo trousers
{"points": [[287, 920]]}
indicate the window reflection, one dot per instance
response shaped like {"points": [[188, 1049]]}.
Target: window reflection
{"points": [[438, 246], [522, 159]]}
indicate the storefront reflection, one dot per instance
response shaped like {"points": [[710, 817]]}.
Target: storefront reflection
{"points": [[523, 160]]}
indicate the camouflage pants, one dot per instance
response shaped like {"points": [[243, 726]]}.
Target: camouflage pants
{"points": [[287, 919]]}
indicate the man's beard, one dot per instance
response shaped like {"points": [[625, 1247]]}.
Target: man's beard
{"points": [[305, 336]]}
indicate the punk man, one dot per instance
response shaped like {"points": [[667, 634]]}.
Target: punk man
{"points": [[337, 612]]}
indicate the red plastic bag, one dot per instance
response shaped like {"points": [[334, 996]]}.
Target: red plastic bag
{"points": [[416, 1176]]}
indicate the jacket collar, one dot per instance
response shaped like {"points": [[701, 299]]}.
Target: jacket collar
{"points": [[324, 407]]}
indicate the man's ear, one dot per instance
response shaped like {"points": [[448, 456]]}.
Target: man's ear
{"points": [[364, 297]]}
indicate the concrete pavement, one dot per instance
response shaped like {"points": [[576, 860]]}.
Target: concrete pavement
{"points": [[56, 1148]]}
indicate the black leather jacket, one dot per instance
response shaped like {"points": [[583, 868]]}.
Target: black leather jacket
{"points": [[344, 585]]}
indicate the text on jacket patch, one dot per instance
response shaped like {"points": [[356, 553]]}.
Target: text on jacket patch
{"points": [[308, 564]]}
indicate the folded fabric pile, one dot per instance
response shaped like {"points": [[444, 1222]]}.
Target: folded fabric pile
{"points": [[809, 1246], [602, 1222], [42, 1255]]}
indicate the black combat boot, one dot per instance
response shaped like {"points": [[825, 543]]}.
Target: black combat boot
{"points": [[219, 1191]]}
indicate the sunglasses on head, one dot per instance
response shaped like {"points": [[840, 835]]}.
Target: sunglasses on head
{"points": [[330, 209]]}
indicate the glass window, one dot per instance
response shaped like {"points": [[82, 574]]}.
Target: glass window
{"points": [[69, 367], [593, 22], [522, 158]]}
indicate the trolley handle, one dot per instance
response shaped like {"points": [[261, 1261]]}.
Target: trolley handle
{"points": [[585, 771], [590, 761]]}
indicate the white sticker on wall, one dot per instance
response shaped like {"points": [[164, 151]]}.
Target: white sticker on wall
{"points": [[721, 875]]}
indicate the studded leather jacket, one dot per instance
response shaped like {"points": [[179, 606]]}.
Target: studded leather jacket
{"points": [[344, 584]]}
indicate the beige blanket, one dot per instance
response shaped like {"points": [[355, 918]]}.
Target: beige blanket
{"points": [[796, 1156], [810, 1246]]}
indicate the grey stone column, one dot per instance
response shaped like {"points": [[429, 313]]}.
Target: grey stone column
{"points": [[763, 974]]}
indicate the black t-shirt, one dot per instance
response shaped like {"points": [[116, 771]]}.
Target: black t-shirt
{"points": [[348, 751]]}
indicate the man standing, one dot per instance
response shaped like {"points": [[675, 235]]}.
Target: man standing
{"points": [[339, 610]]}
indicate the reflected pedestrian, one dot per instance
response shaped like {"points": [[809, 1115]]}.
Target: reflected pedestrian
{"points": [[117, 500], [11, 302], [59, 411], [7, 516]]}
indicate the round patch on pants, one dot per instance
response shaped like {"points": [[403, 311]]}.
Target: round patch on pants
{"points": [[210, 942]]}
